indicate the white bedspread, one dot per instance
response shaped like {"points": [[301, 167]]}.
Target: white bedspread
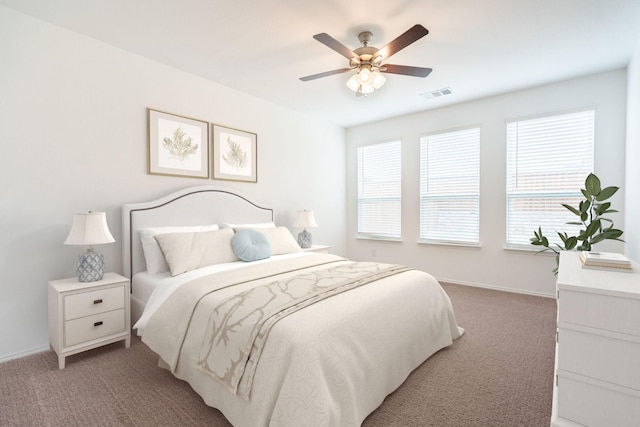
{"points": [[331, 363]]}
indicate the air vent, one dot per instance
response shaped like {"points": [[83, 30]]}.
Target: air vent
{"points": [[437, 93]]}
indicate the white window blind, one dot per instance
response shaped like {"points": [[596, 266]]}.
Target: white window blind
{"points": [[379, 190], [450, 187], [548, 159]]}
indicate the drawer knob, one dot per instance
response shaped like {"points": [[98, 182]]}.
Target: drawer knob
{"points": [[97, 323], [97, 301]]}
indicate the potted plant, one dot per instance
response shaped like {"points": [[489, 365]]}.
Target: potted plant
{"points": [[590, 212]]}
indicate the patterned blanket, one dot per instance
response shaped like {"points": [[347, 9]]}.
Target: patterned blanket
{"points": [[238, 328]]}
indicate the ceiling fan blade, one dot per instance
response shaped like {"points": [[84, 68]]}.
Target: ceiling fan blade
{"points": [[325, 74], [334, 44], [406, 70], [405, 39]]}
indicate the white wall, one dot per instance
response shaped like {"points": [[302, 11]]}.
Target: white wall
{"points": [[73, 132], [632, 226], [491, 265]]}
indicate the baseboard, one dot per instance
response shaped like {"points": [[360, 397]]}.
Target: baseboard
{"points": [[21, 354], [496, 288]]}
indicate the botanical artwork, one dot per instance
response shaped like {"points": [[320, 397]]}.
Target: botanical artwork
{"points": [[234, 154], [178, 145]]}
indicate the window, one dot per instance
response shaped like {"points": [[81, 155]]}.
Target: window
{"points": [[548, 159], [450, 187], [379, 198]]}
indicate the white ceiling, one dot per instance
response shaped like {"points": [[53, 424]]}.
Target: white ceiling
{"points": [[478, 48]]}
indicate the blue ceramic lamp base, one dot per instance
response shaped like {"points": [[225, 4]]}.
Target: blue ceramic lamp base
{"points": [[90, 267], [304, 239]]}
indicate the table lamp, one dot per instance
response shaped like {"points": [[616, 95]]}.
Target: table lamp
{"points": [[90, 229], [305, 220]]}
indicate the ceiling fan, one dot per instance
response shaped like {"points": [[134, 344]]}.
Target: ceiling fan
{"points": [[368, 60]]}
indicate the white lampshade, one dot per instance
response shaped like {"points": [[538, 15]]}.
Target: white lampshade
{"points": [[364, 75], [353, 83], [305, 219], [89, 229], [378, 79]]}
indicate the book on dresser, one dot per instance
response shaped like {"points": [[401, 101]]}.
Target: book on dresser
{"points": [[604, 260]]}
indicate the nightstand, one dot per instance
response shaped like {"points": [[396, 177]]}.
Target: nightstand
{"points": [[318, 248], [86, 315]]}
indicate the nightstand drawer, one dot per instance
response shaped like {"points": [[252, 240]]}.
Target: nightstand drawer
{"points": [[92, 327], [93, 302]]}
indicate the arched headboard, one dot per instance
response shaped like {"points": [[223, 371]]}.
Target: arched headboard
{"points": [[202, 205]]}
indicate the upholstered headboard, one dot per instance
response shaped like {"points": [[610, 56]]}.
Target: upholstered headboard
{"points": [[202, 205]]}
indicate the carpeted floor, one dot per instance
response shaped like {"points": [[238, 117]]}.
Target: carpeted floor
{"points": [[500, 373]]}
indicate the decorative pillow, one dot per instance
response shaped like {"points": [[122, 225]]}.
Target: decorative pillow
{"points": [[250, 245], [282, 242], [152, 254], [260, 225], [189, 251]]}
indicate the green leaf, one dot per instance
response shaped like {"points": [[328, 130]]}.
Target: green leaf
{"points": [[613, 233], [584, 206], [602, 208], [593, 228], [598, 238], [571, 243], [572, 209], [574, 223], [585, 194], [592, 185], [606, 193]]}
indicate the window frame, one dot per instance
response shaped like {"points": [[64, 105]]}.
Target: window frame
{"points": [[566, 195], [473, 196], [397, 198]]}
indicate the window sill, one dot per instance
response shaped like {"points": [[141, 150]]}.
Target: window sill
{"points": [[379, 238], [534, 250], [449, 244]]}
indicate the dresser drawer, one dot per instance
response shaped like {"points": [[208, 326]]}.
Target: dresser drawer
{"points": [[93, 327], [614, 359], [93, 302], [606, 312], [596, 404]]}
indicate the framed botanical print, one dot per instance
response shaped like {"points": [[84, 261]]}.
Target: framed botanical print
{"points": [[178, 145], [235, 154]]}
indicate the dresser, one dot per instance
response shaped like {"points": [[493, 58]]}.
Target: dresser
{"points": [[597, 368], [86, 315]]}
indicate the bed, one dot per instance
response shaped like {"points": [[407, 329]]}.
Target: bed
{"points": [[290, 338]]}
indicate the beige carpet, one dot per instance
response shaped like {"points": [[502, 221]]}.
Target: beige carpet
{"points": [[500, 373]]}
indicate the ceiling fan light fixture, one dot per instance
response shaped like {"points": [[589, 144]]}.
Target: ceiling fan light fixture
{"points": [[377, 79], [365, 75], [353, 83], [367, 88]]}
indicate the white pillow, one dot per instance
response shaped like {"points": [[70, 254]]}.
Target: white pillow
{"points": [[260, 225], [153, 256], [191, 250], [282, 242]]}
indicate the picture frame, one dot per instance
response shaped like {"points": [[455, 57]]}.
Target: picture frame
{"points": [[178, 145], [235, 154]]}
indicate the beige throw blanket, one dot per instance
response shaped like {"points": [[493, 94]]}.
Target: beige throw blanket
{"points": [[167, 327], [238, 328]]}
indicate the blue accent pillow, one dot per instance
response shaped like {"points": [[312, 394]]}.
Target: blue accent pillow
{"points": [[250, 245]]}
